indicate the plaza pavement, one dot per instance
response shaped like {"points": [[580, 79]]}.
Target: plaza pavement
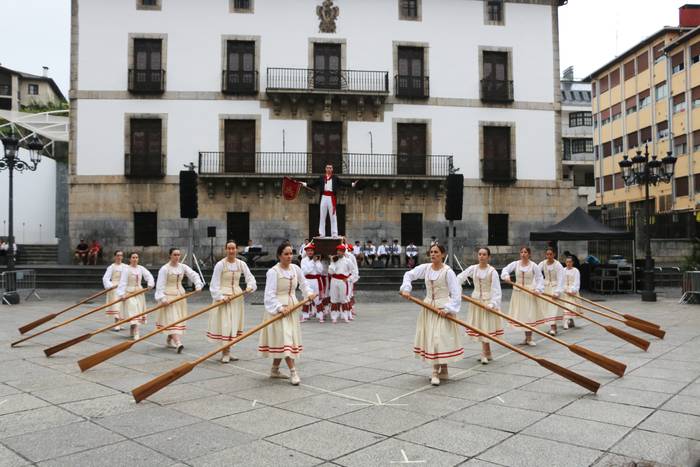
{"points": [[364, 398]]}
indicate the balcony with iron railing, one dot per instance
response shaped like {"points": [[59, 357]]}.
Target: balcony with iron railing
{"points": [[144, 165], [239, 82], [499, 171], [412, 87], [146, 81], [278, 164], [496, 90], [324, 81]]}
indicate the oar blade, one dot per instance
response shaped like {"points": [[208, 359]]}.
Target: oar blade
{"points": [[609, 364], [28, 327], [64, 345], [631, 338], [158, 383], [656, 332], [95, 359], [570, 375], [639, 320]]}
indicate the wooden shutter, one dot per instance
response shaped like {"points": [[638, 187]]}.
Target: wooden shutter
{"points": [[677, 59], [629, 69], [632, 140], [616, 109], [642, 62], [682, 186], [645, 134], [678, 98], [614, 77], [658, 50]]}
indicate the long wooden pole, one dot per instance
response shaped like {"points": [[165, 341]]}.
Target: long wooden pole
{"points": [[609, 364], [158, 383], [99, 357], [572, 376], [29, 326], [660, 333], [71, 342], [94, 310], [632, 339], [626, 316]]}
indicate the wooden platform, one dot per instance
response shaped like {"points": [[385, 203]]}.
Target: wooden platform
{"points": [[325, 246]]}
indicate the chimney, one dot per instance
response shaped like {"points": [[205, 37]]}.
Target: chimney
{"points": [[689, 15], [46, 71]]}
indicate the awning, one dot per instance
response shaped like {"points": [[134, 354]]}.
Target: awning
{"points": [[580, 226]]}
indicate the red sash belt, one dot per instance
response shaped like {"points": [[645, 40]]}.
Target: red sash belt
{"points": [[333, 200], [344, 278], [319, 279]]}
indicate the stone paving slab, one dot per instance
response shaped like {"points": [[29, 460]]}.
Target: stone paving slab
{"points": [[526, 451], [397, 452], [259, 453], [126, 453], [658, 447], [455, 437]]}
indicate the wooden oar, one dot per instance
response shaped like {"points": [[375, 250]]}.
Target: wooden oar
{"points": [[601, 360], [626, 316], [572, 376], [660, 333], [29, 326], [71, 342], [158, 383], [94, 310], [95, 359], [632, 339]]}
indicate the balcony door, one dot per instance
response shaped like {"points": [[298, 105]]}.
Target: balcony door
{"points": [[239, 146], [412, 148], [145, 158], [240, 67], [411, 78], [326, 146], [495, 84], [327, 66], [148, 66], [497, 165]]}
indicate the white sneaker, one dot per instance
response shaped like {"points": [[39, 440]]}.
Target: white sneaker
{"points": [[552, 332], [225, 358], [484, 361], [531, 343], [295, 380], [565, 325], [435, 379], [117, 328], [276, 374], [135, 336]]}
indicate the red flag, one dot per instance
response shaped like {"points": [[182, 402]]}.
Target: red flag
{"points": [[290, 188]]}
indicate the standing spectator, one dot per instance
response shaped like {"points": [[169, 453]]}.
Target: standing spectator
{"points": [[370, 253], [357, 251], [383, 254], [395, 254], [411, 255], [301, 251], [94, 252], [575, 262], [4, 248], [81, 252]]}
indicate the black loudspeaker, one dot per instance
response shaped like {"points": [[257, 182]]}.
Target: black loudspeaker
{"points": [[455, 192], [189, 208], [211, 232]]}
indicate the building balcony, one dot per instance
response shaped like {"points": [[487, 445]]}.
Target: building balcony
{"points": [[239, 82], [412, 87], [146, 81], [578, 158], [144, 165], [304, 164], [498, 171], [493, 90]]}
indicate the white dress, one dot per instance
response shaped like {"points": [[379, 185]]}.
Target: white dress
{"points": [[313, 272], [169, 287], [524, 306], [487, 290], [282, 338], [553, 285], [130, 282], [226, 322], [437, 340], [572, 284], [111, 278]]}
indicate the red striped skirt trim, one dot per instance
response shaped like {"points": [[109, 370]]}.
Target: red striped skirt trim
{"points": [[180, 327], [497, 333], [220, 337], [536, 323], [552, 318], [286, 348], [112, 312], [436, 356]]}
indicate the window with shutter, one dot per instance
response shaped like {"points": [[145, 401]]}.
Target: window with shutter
{"points": [[631, 105], [680, 145], [682, 186], [695, 53], [632, 140], [629, 69], [644, 98], [662, 130], [658, 52], [645, 135], [642, 62], [677, 63], [679, 103], [614, 77]]}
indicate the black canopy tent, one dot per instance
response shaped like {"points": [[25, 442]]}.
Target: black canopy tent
{"points": [[580, 226]]}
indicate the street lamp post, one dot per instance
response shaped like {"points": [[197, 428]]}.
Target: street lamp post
{"points": [[11, 162], [652, 171]]}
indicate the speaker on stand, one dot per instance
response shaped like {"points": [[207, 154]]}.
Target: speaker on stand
{"points": [[453, 209], [211, 233]]}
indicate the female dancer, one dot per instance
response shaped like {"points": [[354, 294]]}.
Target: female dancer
{"points": [[169, 286], [282, 339], [487, 290], [111, 279], [554, 285], [572, 284], [226, 322], [437, 339], [131, 282], [523, 306]]}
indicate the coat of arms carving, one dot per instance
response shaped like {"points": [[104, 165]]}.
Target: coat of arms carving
{"points": [[327, 13]]}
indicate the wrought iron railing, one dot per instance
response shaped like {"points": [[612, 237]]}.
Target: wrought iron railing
{"points": [[496, 90], [146, 81], [144, 165], [412, 86], [498, 170], [239, 82], [346, 81], [307, 163]]}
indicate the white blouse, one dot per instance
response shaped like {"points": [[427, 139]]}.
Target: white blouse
{"points": [[576, 283], [342, 266], [311, 267], [353, 265], [107, 278], [544, 267], [140, 272], [537, 280], [426, 270], [215, 284], [474, 272], [272, 304], [177, 270]]}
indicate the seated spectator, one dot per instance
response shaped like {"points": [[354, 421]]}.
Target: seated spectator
{"points": [[395, 254], [94, 252], [81, 252], [370, 253], [357, 251], [383, 254], [411, 255]]}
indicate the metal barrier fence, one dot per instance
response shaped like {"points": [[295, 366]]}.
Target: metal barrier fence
{"points": [[23, 280], [691, 287]]}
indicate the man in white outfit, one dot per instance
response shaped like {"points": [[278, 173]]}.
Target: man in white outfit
{"points": [[329, 184]]}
